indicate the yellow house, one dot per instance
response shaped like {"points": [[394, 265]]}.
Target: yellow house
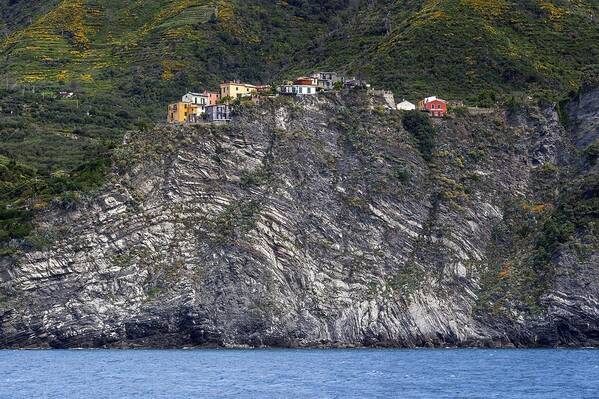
{"points": [[183, 113], [236, 89]]}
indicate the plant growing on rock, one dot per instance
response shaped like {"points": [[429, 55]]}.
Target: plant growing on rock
{"points": [[420, 126]]}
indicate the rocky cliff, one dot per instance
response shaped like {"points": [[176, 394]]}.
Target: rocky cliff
{"points": [[316, 222]]}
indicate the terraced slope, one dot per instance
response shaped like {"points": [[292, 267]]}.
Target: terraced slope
{"points": [[103, 43], [476, 49], [469, 48], [17, 14]]}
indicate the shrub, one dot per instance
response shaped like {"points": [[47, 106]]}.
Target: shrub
{"points": [[420, 126], [402, 173], [486, 99], [591, 153]]}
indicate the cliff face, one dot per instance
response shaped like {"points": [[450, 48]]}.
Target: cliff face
{"points": [[305, 222]]}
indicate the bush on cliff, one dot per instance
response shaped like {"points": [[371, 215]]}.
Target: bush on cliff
{"points": [[420, 126]]}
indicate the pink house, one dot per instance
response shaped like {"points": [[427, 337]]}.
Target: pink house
{"points": [[435, 106]]}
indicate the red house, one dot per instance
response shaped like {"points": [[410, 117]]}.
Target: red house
{"points": [[433, 105]]}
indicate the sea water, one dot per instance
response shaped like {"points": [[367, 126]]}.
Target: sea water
{"points": [[301, 373]]}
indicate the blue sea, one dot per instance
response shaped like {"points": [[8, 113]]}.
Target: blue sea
{"points": [[302, 373]]}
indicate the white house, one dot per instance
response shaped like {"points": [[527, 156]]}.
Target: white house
{"points": [[299, 87], [405, 105], [297, 90], [196, 98]]}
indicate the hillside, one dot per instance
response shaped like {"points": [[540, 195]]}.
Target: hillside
{"points": [[17, 14], [319, 221], [323, 221], [127, 59], [477, 50], [474, 50], [158, 47]]}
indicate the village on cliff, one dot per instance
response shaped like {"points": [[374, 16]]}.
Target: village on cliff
{"points": [[215, 107]]}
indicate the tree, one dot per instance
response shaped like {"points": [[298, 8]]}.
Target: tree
{"points": [[420, 126]]}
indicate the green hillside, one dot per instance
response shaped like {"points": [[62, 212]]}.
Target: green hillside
{"points": [[126, 59], [469, 48], [16, 14], [155, 48]]}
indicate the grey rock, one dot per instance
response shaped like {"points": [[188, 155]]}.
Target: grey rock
{"points": [[309, 222]]}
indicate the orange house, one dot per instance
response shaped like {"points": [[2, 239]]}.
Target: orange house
{"points": [[436, 107], [181, 112]]}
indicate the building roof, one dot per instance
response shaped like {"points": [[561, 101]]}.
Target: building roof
{"points": [[433, 98], [323, 73], [302, 79], [195, 94], [297, 85], [238, 84]]}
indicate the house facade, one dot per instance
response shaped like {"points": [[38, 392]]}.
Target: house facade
{"points": [[195, 98], [212, 97], [326, 80], [219, 113], [297, 90], [201, 100], [181, 112], [299, 87], [405, 105], [436, 107], [236, 89]]}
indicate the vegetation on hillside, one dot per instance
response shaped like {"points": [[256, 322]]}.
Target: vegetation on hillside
{"points": [[533, 236], [52, 149], [420, 126], [16, 14], [127, 59], [468, 48], [157, 48]]}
